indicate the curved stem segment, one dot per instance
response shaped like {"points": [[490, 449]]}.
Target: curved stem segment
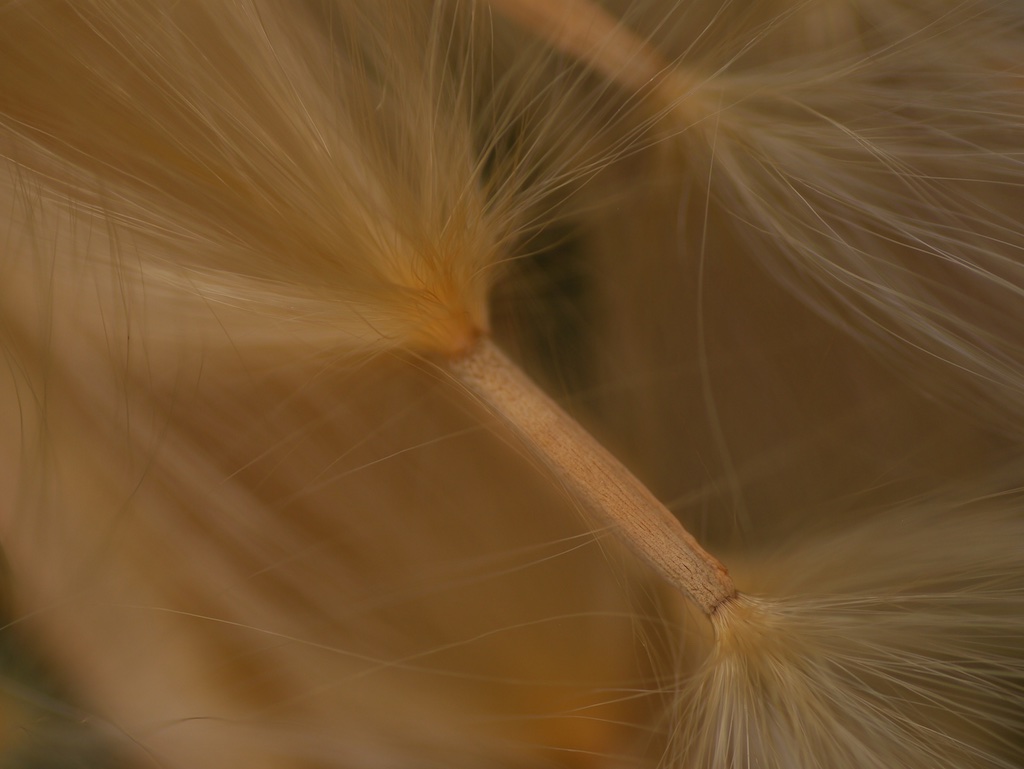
{"points": [[585, 31], [594, 476]]}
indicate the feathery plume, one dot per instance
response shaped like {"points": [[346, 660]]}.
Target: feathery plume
{"points": [[231, 227]]}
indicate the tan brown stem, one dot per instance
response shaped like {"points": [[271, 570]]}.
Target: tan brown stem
{"points": [[585, 31], [594, 476]]}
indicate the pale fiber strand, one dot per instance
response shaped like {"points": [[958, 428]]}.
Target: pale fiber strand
{"points": [[588, 33], [593, 475]]}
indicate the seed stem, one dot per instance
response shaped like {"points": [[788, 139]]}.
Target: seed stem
{"points": [[586, 32], [591, 474]]}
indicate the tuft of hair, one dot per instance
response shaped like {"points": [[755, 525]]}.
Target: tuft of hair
{"points": [[867, 155], [326, 174], [893, 643]]}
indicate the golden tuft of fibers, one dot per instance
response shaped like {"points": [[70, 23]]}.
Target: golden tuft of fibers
{"points": [[317, 173], [867, 153], [894, 642]]}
